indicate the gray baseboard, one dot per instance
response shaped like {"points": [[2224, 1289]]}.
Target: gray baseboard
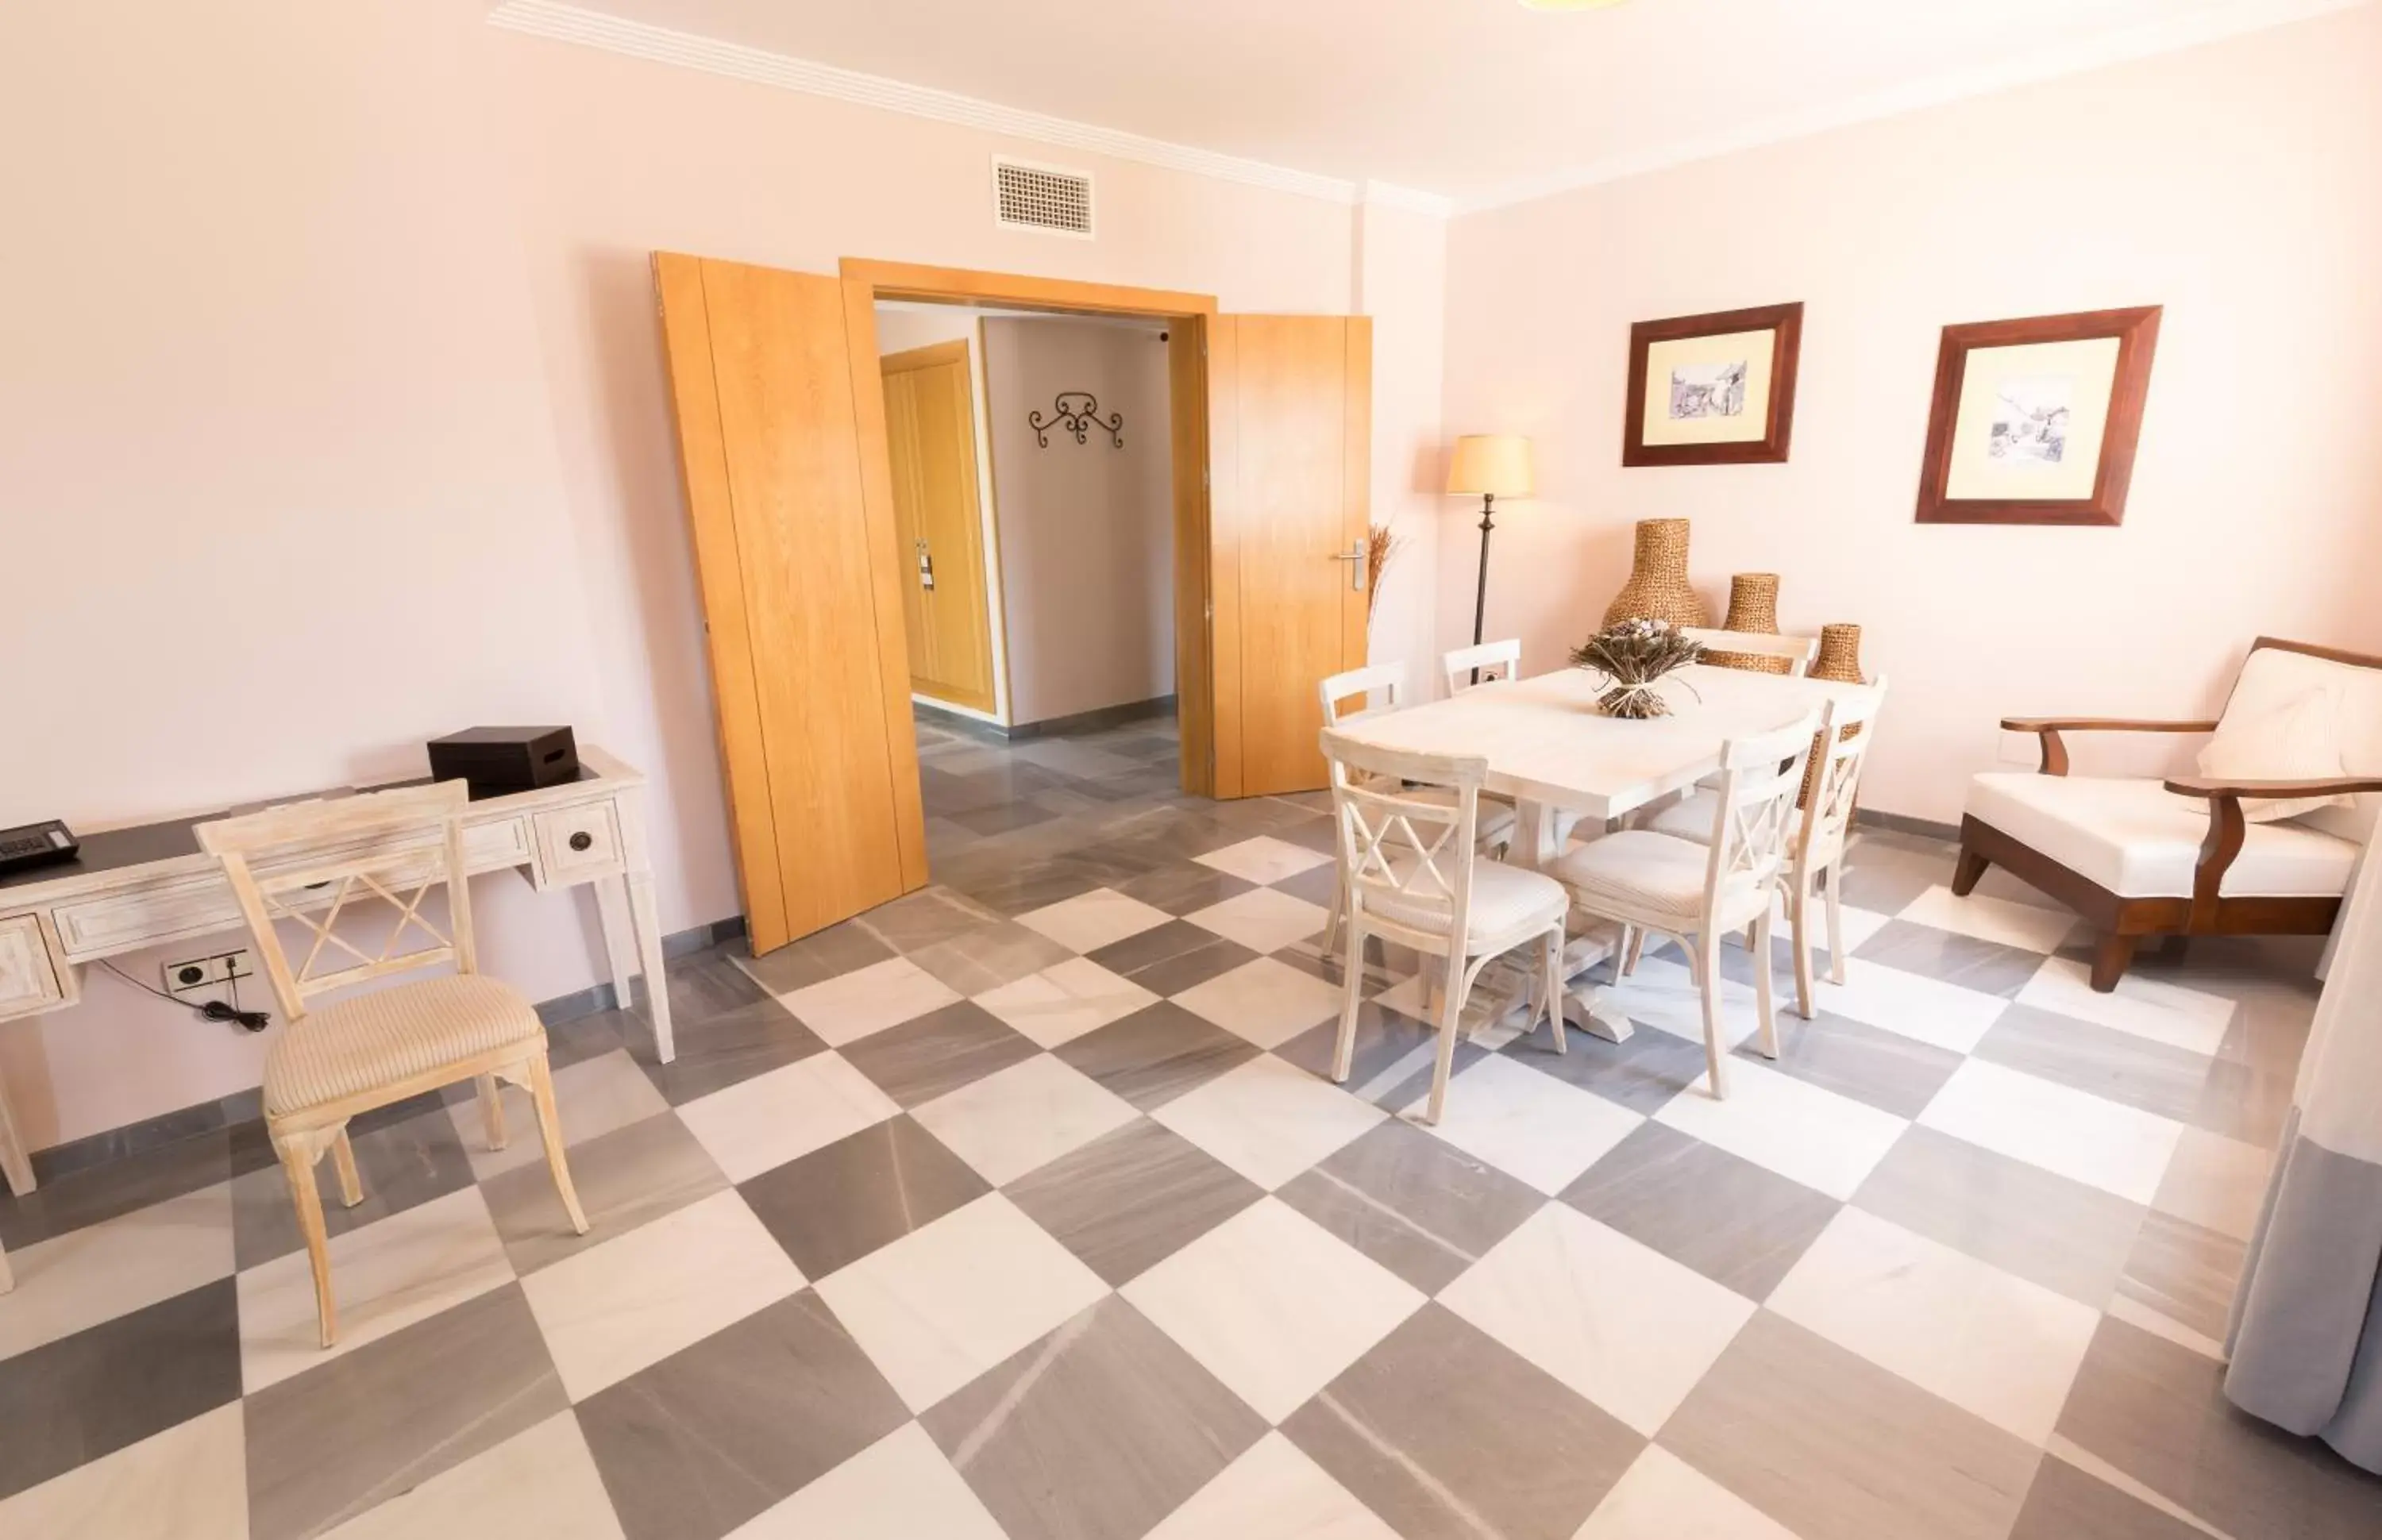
{"points": [[1899, 823], [1050, 726], [248, 1107]]}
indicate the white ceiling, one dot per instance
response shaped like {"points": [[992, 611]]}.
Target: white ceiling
{"points": [[1477, 100]]}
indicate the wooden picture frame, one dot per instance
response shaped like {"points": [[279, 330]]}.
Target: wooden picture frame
{"points": [[1770, 415], [1961, 455]]}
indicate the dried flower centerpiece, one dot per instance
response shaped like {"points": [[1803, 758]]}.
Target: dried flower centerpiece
{"points": [[1633, 655]]}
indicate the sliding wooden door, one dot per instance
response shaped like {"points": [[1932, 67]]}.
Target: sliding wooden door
{"points": [[1290, 442], [781, 439], [938, 523]]}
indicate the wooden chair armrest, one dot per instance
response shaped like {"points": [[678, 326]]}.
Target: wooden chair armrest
{"points": [[2054, 751], [2219, 786], [2227, 828]]}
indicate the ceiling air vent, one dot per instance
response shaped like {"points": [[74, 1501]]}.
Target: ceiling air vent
{"points": [[1030, 197]]}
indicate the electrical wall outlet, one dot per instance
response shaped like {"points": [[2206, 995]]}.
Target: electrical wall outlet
{"points": [[198, 974]]}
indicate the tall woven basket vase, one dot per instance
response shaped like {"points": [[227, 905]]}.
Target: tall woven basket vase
{"points": [[1658, 588], [1839, 660], [1752, 608]]}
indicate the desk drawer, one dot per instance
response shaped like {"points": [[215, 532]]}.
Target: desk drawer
{"points": [[578, 842], [29, 980]]}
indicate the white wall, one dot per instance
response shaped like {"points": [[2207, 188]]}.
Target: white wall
{"points": [[1087, 529], [2235, 184]]}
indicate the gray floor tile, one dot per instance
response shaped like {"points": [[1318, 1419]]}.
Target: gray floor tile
{"points": [[989, 956], [1948, 957], [1002, 817], [1094, 1433], [593, 1035], [1889, 1071], [86, 1197], [1131, 1198], [1415, 1204], [727, 1050], [2184, 1271], [2059, 1233], [380, 1419], [1390, 1065], [837, 1204], [707, 984], [1832, 1445], [70, 1401], [1156, 1054], [817, 957], [694, 1446], [939, 1052], [1184, 886], [2158, 1412], [1640, 1074], [403, 1164], [2120, 1066], [624, 1179], [2067, 1504], [1450, 1435], [1737, 1223], [1317, 885], [1884, 878], [1171, 958], [920, 919]]}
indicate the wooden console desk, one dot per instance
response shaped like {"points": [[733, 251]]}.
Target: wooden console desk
{"points": [[150, 886]]}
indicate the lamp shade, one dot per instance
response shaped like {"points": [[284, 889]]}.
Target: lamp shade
{"points": [[1498, 464]]}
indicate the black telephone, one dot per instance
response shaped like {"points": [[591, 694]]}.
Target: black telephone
{"points": [[36, 845]]}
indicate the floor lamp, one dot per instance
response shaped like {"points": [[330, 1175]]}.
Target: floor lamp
{"points": [[1492, 466]]}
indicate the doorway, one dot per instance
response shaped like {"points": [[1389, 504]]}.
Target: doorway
{"points": [[777, 381]]}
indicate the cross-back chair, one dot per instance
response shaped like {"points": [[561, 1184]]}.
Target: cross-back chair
{"points": [[1699, 891], [1410, 867], [1482, 662], [1798, 650], [306, 868]]}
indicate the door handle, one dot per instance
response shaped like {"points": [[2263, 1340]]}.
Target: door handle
{"points": [[1355, 556], [926, 568]]}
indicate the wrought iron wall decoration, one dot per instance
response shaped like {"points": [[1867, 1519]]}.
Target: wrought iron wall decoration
{"points": [[1078, 412]]}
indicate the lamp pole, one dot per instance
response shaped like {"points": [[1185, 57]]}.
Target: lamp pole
{"points": [[1480, 595]]}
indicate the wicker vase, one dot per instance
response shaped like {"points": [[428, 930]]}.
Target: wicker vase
{"points": [[1752, 608], [1839, 660], [1658, 589]]}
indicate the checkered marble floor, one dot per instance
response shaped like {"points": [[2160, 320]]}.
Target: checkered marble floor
{"points": [[1022, 1207]]}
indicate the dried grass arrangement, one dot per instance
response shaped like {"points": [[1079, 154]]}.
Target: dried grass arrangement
{"points": [[1634, 654], [1381, 545]]}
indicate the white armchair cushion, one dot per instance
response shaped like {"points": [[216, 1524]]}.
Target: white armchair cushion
{"points": [[2273, 675], [2139, 840], [2262, 739]]}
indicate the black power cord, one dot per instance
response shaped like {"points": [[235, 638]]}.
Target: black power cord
{"points": [[210, 1010]]}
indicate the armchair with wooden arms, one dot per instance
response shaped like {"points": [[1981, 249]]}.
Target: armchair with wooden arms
{"points": [[2179, 855]]}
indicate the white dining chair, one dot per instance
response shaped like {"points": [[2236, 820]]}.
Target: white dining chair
{"points": [[1498, 819], [1815, 853], [1482, 662], [1698, 892], [1408, 836], [1799, 650]]}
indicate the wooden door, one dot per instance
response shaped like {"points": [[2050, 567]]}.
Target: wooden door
{"points": [[930, 432], [1290, 445], [781, 439]]}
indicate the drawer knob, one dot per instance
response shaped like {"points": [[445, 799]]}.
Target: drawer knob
{"points": [[582, 841]]}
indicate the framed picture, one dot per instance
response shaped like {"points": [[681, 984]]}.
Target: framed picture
{"points": [[1715, 389], [2034, 421]]}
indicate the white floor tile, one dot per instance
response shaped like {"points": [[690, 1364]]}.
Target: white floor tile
{"points": [[1621, 1324], [1065, 1001], [385, 1277], [945, 1303], [593, 1097], [1272, 1305], [1024, 1117], [1530, 1125], [1091, 921], [541, 1484], [2029, 927], [1661, 1496], [1269, 1120], [187, 1483], [1264, 860], [1795, 1128], [2147, 1007], [2215, 1182], [94, 1274], [1925, 1010], [611, 1310], [1263, 918], [1992, 1344], [757, 1125], [2102, 1143], [898, 1488], [1266, 1001], [1272, 1492], [1662, 993], [850, 1006]]}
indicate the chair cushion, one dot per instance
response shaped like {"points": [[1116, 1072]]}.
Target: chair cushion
{"points": [[1692, 817], [1505, 899], [390, 1035], [2289, 739], [2140, 841], [1643, 872]]}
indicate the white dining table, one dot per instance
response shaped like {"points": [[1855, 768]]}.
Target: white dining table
{"points": [[1562, 762]]}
